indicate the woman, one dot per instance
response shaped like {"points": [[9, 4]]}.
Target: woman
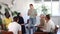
{"points": [[42, 20], [21, 22], [42, 23]]}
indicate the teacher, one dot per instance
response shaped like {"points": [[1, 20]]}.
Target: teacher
{"points": [[32, 13]]}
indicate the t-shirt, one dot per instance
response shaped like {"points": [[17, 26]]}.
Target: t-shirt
{"points": [[33, 12], [14, 27], [6, 21], [50, 26]]}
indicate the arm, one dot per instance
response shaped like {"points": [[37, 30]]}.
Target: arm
{"points": [[28, 12], [19, 32], [22, 21], [3, 23], [35, 12], [53, 26]]}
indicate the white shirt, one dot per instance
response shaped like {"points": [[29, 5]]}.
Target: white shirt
{"points": [[50, 26], [14, 27]]}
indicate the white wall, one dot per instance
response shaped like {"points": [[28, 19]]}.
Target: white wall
{"points": [[56, 20]]}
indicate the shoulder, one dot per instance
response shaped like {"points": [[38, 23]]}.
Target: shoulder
{"points": [[51, 22], [20, 17], [18, 25], [10, 18], [4, 18], [10, 24]]}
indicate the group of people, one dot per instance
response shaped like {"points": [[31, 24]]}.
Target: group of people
{"points": [[46, 24], [17, 24]]}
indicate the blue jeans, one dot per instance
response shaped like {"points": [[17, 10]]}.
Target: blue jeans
{"points": [[32, 22]]}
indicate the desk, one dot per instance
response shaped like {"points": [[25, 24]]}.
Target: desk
{"points": [[41, 33], [6, 32]]}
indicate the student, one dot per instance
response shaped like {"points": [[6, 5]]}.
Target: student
{"points": [[42, 20], [41, 24], [14, 26], [21, 22], [49, 25], [7, 19], [32, 13]]}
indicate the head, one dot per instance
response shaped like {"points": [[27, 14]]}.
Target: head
{"points": [[19, 14], [7, 15], [47, 17], [15, 19], [31, 6], [42, 16]]}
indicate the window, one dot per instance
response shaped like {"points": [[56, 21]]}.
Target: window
{"points": [[55, 8], [47, 0], [37, 6], [48, 5], [52, 6], [55, 0], [50, 0]]}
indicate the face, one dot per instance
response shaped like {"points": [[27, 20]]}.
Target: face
{"points": [[31, 7], [7, 15], [20, 14], [42, 16]]}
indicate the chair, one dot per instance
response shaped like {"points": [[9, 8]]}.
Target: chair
{"points": [[40, 33], [6, 32], [56, 29], [3, 32], [9, 32]]}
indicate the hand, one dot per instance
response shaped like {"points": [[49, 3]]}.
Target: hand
{"points": [[35, 14], [22, 24], [36, 26]]}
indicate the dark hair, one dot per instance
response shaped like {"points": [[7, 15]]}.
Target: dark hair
{"points": [[48, 16], [31, 4], [18, 14], [7, 13], [15, 18]]}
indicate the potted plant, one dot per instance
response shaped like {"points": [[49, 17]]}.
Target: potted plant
{"points": [[14, 13], [0, 15], [44, 9], [0, 7], [0, 18]]}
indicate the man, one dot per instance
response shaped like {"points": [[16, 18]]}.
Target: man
{"points": [[7, 20], [49, 26], [32, 13], [14, 26]]}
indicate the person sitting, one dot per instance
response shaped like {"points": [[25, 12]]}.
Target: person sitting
{"points": [[14, 26], [42, 22], [6, 20], [21, 22], [49, 25]]}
